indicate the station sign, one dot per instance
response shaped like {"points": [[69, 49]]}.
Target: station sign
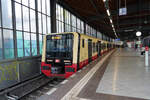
{"points": [[117, 39], [122, 11]]}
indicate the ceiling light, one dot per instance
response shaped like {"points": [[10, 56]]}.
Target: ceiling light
{"points": [[112, 25], [111, 20], [104, 0], [108, 12], [138, 33]]}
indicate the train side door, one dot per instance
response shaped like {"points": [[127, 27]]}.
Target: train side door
{"points": [[99, 48], [89, 50]]}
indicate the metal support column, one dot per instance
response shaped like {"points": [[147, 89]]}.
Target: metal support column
{"points": [[84, 28], [53, 16], [14, 29], [37, 27], [3, 51]]}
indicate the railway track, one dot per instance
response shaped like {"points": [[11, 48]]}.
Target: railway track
{"points": [[33, 89]]}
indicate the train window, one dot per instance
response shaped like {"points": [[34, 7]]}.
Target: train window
{"points": [[82, 43], [97, 47], [60, 45], [104, 46], [93, 47]]}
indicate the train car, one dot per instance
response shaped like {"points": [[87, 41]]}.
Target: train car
{"points": [[110, 46], [65, 53], [104, 47]]}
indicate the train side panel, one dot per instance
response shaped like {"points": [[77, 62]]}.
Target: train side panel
{"points": [[83, 51]]}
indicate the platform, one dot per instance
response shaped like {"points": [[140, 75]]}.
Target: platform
{"points": [[119, 75]]}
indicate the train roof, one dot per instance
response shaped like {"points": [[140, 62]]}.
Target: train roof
{"points": [[72, 33], [80, 34]]}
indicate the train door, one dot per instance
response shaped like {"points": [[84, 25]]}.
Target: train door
{"points": [[99, 48], [89, 50]]}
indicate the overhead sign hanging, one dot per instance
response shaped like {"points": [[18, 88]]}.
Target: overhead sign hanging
{"points": [[122, 11]]}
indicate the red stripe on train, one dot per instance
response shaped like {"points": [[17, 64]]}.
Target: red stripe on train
{"points": [[66, 75]]}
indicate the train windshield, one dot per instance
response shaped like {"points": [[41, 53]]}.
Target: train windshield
{"points": [[59, 45]]}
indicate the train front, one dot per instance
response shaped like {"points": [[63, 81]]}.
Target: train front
{"points": [[57, 56]]}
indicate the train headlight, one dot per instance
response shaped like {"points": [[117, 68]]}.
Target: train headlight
{"points": [[67, 62], [49, 60]]}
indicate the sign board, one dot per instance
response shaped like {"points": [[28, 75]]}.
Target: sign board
{"points": [[117, 39], [122, 11]]}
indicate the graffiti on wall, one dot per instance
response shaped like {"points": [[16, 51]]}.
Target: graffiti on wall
{"points": [[8, 72]]}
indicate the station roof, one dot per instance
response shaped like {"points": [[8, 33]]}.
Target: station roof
{"points": [[94, 12]]}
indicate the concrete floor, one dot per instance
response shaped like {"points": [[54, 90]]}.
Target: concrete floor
{"points": [[126, 75], [118, 76]]}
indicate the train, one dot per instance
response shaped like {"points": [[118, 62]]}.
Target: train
{"points": [[66, 53]]}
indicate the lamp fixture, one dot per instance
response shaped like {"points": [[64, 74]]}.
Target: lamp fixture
{"points": [[111, 20], [104, 0], [109, 16], [108, 12], [138, 33]]}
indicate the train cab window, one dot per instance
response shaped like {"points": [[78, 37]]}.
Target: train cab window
{"points": [[82, 43], [59, 46], [104, 46]]}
